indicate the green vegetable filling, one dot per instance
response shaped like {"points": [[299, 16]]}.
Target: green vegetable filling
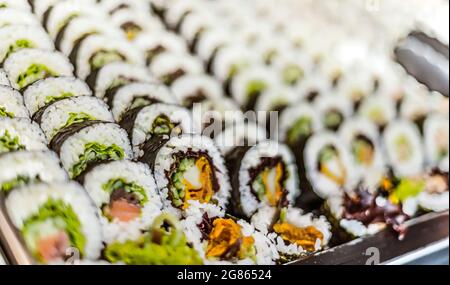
{"points": [[9, 143], [95, 152], [53, 217], [407, 188], [52, 99], [4, 113], [134, 188], [255, 88], [18, 182], [18, 45], [333, 119], [302, 129], [178, 190], [103, 57], [34, 73], [292, 74], [403, 148], [162, 125], [76, 118]]}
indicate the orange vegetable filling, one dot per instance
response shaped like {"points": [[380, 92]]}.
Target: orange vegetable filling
{"points": [[273, 195], [304, 237], [205, 192]]}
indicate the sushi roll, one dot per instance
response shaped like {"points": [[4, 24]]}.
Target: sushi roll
{"points": [[30, 65], [126, 197], [85, 144], [191, 168], [176, 14], [262, 175], [16, 37], [248, 86], [4, 78], [222, 240], [209, 45], [160, 42], [11, 103], [292, 68], [54, 217], [114, 6], [47, 91], [169, 67], [356, 85], [379, 110], [64, 113], [149, 124], [415, 108], [29, 167], [135, 23], [334, 110], [193, 27], [20, 134], [328, 165], [10, 16], [137, 95], [361, 137], [196, 88], [436, 140], [96, 51], [435, 195], [276, 99], [240, 134], [404, 148], [116, 74], [294, 233], [313, 86], [15, 4]]}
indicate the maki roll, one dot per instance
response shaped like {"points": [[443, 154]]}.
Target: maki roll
{"points": [[436, 140], [16, 37], [147, 125], [29, 167], [10, 16], [404, 149], [191, 168], [95, 51], [85, 144], [361, 136], [160, 42], [248, 86], [334, 111], [209, 45], [293, 233], [20, 134], [194, 26], [196, 88], [262, 175], [292, 68], [52, 218], [355, 86], [47, 91], [30, 65], [240, 134], [168, 67], [177, 13], [116, 74], [435, 195], [276, 99], [379, 110], [4, 78], [137, 95], [134, 23], [126, 197], [67, 112], [11, 103], [328, 165], [415, 108], [225, 240]]}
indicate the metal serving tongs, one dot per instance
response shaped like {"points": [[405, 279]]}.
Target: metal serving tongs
{"points": [[11, 241], [427, 59]]}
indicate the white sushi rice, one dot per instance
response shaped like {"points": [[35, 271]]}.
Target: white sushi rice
{"points": [[57, 115], [276, 97], [16, 4], [95, 43], [211, 41], [124, 97], [146, 117], [329, 102], [20, 61], [378, 109], [169, 41], [262, 219], [131, 172], [12, 102], [111, 6], [25, 202], [252, 159], [104, 133], [192, 84], [322, 185], [148, 24], [176, 12], [27, 132], [433, 202], [399, 135], [11, 16], [3, 78], [194, 23], [294, 113], [37, 95], [34, 36], [43, 165], [230, 57], [238, 135], [436, 139], [113, 72], [169, 62], [165, 159]]}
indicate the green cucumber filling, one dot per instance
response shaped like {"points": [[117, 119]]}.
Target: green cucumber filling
{"points": [[165, 244], [363, 150], [67, 20], [292, 74], [103, 57], [4, 113], [331, 166], [270, 56], [236, 68], [333, 119], [76, 118], [269, 183], [126, 199], [192, 179], [141, 101], [18, 182], [53, 229], [9, 143], [52, 99], [403, 148], [18, 45], [34, 73], [255, 88], [377, 115], [95, 152], [408, 188], [162, 125], [301, 130]]}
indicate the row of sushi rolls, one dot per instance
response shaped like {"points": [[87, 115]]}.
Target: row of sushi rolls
{"points": [[103, 151]]}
